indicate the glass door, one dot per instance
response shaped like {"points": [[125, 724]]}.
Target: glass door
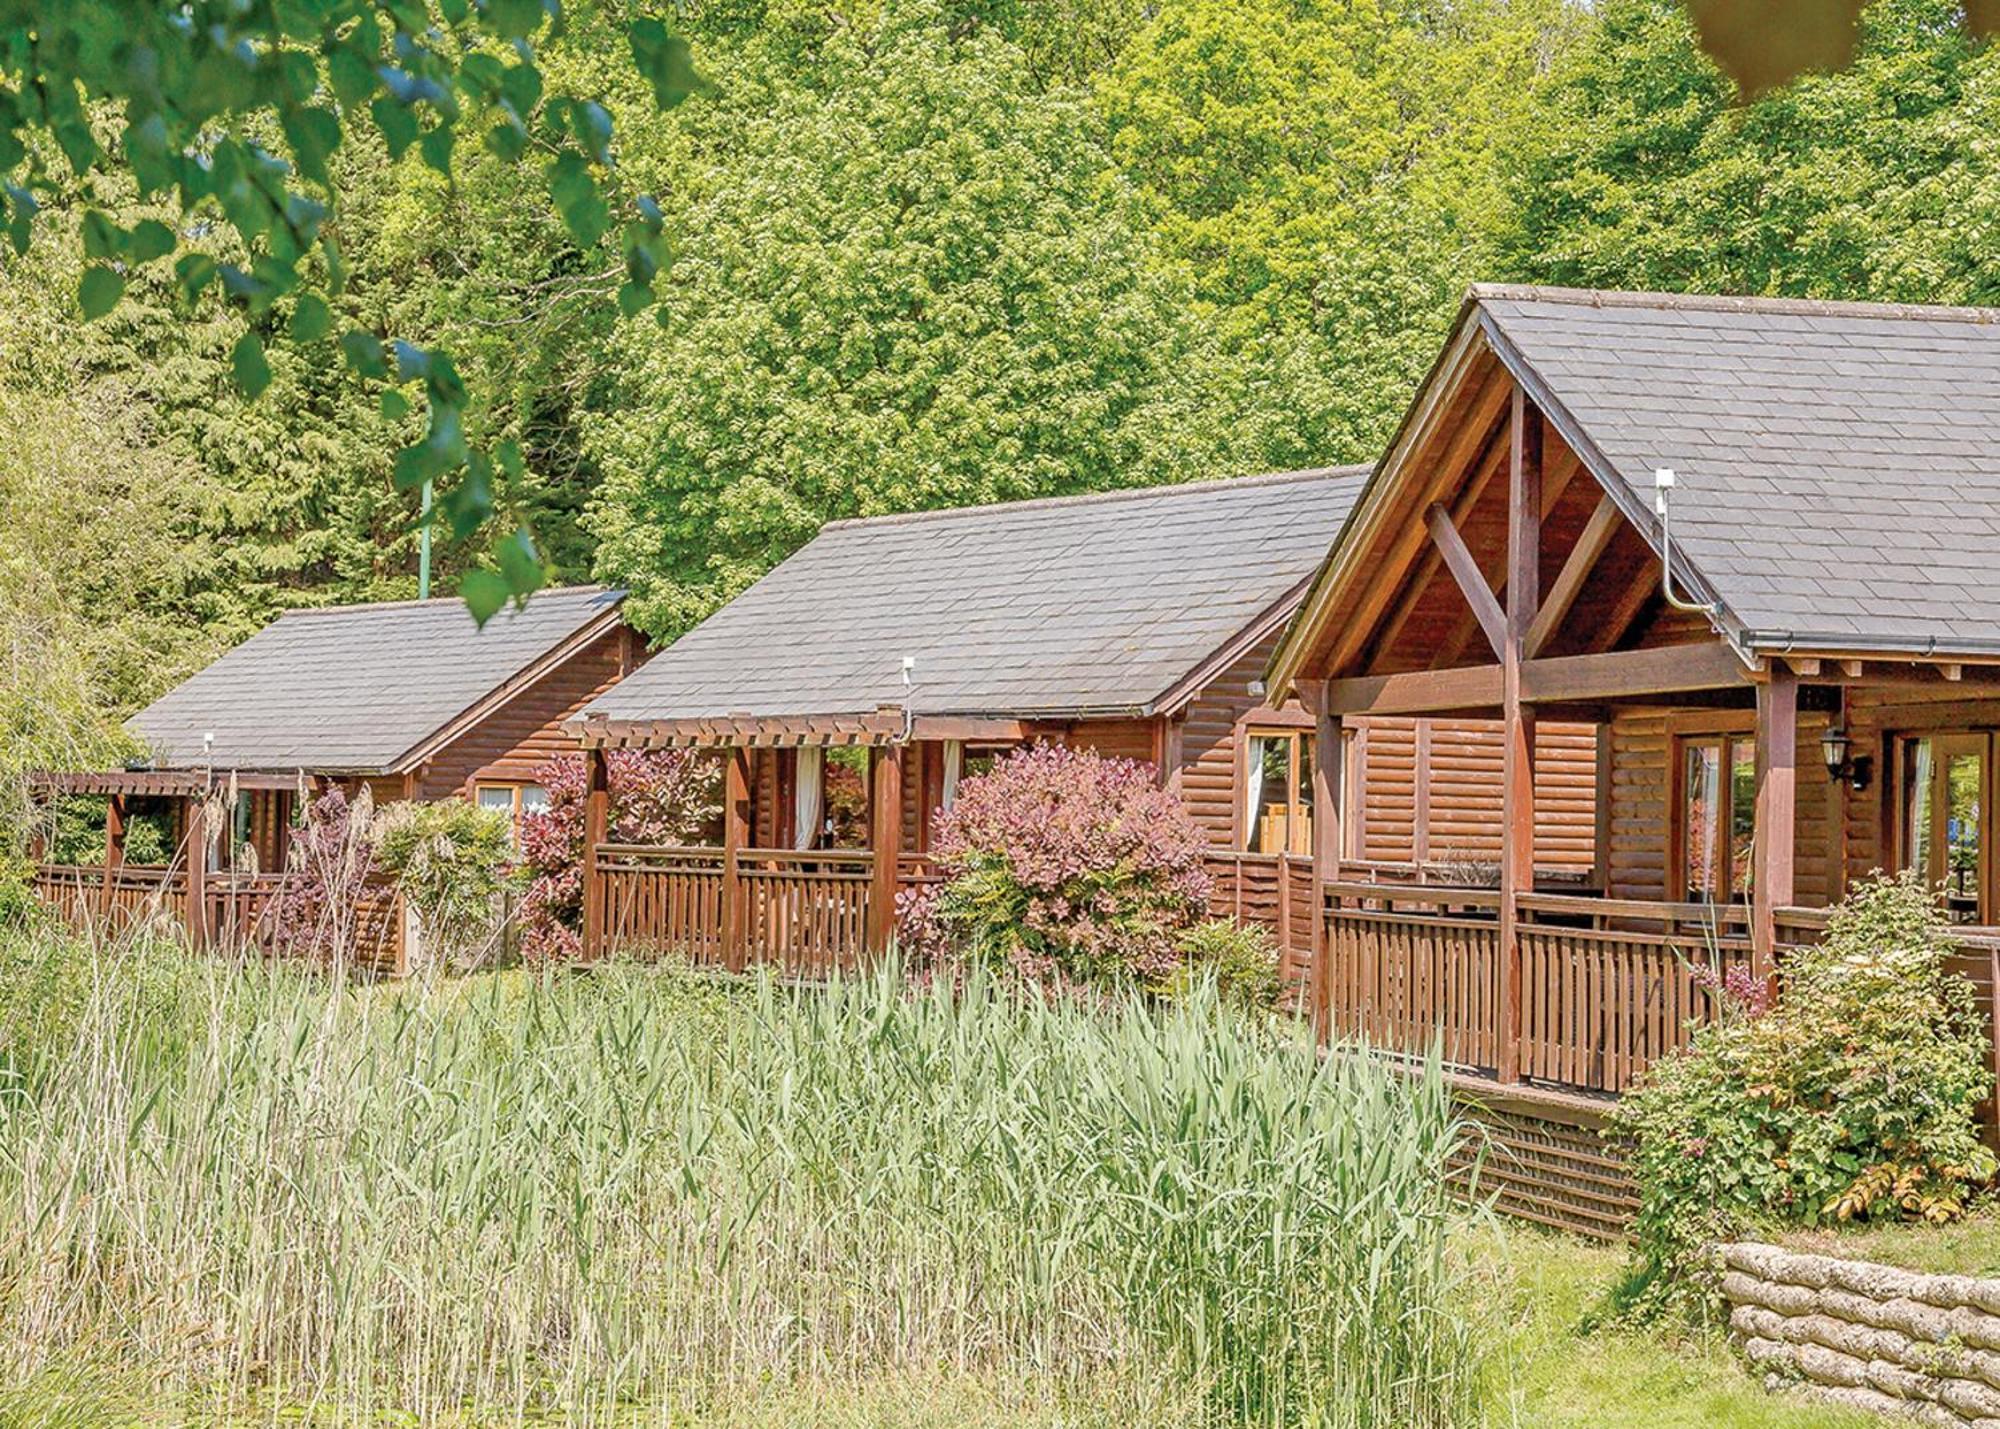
{"points": [[1944, 785]]}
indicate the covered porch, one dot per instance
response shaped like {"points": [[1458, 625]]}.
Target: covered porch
{"points": [[1521, 555], [214, 861], [806, 874]]}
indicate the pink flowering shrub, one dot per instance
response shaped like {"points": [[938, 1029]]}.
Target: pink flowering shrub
{"points": [[330, 860], [657, 797], [1068, 868]]}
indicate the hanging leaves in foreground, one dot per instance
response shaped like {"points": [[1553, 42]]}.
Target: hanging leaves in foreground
{"points": [[196, 84]]}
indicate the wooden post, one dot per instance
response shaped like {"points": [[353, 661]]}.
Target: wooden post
{"points": [[1517, 833], [114, 848], [735, 829], [1328, 767], [1600, 843], [930, 789], [596, 831], [196, 840], [1172, 776], [885, 835], [1771, 862]]}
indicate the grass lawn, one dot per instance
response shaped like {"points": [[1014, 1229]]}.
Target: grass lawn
{"points": [[1542, 1287], [1967, 1247]]}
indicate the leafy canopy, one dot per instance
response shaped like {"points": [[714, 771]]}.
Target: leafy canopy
{"points": [[234, 114]]}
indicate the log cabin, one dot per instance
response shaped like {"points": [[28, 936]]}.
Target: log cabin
{"points": [[854, 686], [1751, 540], [408, 699]]}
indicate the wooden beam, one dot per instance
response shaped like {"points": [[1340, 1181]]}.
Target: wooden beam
{"points": [[1629, 674], [114, 849], [196, 840], [596, 831], [885, 836], [1465, 571], [1581, 561], [1517, 717], [1804, 666], [1555, 480], [1952, 672], [1851, 669], [1471, 435], [1473, 687], [735, 836], [1486, 465], [1771, 850], [1327, 796]]}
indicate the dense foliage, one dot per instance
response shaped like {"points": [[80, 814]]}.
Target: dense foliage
{"points": [[331, 858], [1170, 1211], [925, 252], [452, 860], [1066, 868], [1850, 1094], [662, 796], [227, 120]]}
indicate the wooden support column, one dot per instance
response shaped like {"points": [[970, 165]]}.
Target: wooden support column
{"points": [[885, 836], [1328, 767], [1771, 862], [735, 833], [596, 831], [1517, 834], [196, 841], [114, 848]]}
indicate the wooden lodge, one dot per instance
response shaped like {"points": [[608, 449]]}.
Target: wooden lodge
{"points": [[1752, 542], [409, 700], [851, 688]]}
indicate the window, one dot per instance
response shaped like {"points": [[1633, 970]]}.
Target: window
{"points": [[513, 800], [1718, 812], [1277, 813], [1942, 786]]}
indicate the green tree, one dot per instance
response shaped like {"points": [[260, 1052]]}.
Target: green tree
{"points": [[910, 278], [1326, 177], [235, 115], [1877, 181]]}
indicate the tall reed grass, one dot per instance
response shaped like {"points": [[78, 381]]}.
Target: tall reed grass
{"points": [[604, 1196]]}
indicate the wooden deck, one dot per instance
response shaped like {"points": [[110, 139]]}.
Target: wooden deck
{"points": [[235, 914]]}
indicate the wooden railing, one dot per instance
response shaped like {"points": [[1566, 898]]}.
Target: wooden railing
{"points": [[805, 913], [242, 907], [89, 899], [663, 899], [1269, 890], [1608, 986], [238, 912], [1408, 967]]}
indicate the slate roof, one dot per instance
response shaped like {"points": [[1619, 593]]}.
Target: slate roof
{"points": [[353, 689], [1837, 464], [1079, 605]]}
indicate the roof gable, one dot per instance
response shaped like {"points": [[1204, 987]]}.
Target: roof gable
{"points": [[360, 688], [1837, 466], [1073, 606]]}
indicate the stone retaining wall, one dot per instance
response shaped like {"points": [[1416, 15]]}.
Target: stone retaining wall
{"points": [[1868, 1336]]}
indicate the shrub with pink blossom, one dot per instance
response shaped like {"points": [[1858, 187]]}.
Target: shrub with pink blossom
{"points": [[1069, 868], [661, 796], [329, 862]]}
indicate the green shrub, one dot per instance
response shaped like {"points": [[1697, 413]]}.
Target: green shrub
{"points": [[1242, 959], [451, 860], [17, 894], [1852, 1094]]}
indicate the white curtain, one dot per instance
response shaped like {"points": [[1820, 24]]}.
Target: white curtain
{"points": [[1253, 787], [954, 765], [806, 785]]}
